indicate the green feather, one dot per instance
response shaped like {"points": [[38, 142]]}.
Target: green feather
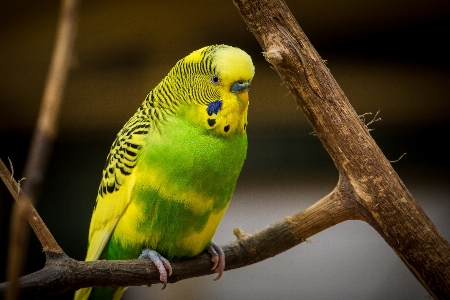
{"points": [[172, 169]]}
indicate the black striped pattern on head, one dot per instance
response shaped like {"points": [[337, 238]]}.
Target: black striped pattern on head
{"points": [[188, 81]]}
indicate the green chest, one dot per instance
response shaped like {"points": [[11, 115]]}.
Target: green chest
{"points": [[185, 178], [193, 160]]}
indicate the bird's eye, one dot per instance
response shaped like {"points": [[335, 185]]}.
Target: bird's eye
{"points": [[215, 79]]}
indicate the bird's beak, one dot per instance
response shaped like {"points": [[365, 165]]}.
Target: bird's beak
{"points": [[241, 88]]}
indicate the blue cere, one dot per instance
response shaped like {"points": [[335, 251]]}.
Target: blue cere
{"points": [[214, 107], [240, 86]]}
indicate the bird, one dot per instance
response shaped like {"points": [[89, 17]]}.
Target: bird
{"points": [[173, 167]]}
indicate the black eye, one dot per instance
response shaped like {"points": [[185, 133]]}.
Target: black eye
{"points": [[215, 79]]}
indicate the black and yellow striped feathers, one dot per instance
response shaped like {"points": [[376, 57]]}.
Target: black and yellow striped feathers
{"points": [[172, 169]]}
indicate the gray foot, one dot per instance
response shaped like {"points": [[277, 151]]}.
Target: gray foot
{"points": [[161, 263], [218, 258]]}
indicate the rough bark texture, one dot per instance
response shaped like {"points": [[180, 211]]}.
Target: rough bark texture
{"points": [[368, 182]]}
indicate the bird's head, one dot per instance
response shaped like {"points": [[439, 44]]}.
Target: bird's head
{"points": [[217, 81]]}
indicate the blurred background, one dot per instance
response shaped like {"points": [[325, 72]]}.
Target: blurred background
{"points": [[388, 56]]}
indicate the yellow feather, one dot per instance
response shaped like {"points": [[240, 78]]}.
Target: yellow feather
{"points": [[108, 211], [175, 112], [195, 240]]}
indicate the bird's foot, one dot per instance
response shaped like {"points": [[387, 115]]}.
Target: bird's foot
{"points": [[218, 258], [161, 263]]}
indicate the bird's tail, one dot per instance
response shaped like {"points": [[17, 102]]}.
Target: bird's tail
{"points": [[107, 293], [82, 294]]}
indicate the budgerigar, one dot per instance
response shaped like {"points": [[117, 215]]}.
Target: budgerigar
{"points": [[173, 167]]}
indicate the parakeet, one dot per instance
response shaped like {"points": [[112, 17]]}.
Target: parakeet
{"points": [[173, 167]]}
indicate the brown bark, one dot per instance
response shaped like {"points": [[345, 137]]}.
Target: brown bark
{"points": [[62, 273], [368, 182]]}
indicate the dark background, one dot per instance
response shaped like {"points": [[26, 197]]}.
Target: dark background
{"points": [[391, 56]]}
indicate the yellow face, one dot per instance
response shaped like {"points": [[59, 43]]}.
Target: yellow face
{"points": [[231, 80]]}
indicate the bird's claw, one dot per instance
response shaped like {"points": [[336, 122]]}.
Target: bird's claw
{"points": [[218, 258], [161, 263]]}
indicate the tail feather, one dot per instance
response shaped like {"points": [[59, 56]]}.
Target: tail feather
{"points": [[106, 293], [82, 294]]}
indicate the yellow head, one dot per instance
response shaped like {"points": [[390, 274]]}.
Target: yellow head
{"points": [[216, 79]]}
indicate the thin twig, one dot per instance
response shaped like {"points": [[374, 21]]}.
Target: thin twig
{"points": [[398, 159], [24, 210], [47, 123], [374, 119], [44, 235], [42, 143]]}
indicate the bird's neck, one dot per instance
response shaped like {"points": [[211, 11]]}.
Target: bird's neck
{"points": [[163, 100]]}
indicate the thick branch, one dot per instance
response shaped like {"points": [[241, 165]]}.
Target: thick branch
{"points": [[62, 273], [380, 196]]}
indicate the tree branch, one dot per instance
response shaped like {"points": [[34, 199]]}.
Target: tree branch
{"points": [[368, 187], [47, 124], [41, 147], [378, 194], [44, 235], [62, 273], [24, 210]]}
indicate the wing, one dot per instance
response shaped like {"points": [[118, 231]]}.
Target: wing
{"points": [[116, 185]]}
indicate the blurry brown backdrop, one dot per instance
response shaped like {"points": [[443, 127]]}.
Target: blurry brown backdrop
{"points": [[390, 56]]}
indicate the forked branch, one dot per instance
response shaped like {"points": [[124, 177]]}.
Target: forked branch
{"points": [[62, 273], [378, 194]]}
